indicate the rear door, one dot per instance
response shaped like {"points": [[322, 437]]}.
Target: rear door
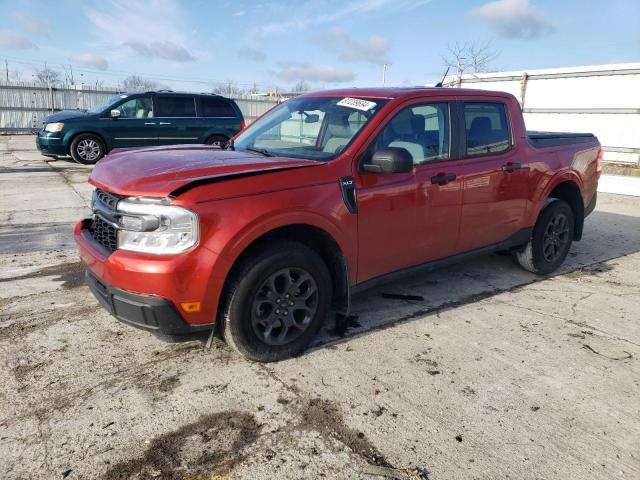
{"points": [[177, 120], [494, 177], [406, 219], [136, 125]]}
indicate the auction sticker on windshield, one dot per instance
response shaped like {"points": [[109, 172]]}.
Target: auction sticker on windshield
{"points": [[357, 103]]}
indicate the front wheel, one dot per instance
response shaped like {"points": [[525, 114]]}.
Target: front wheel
{"points": [[550, 240], [87, 148], [276, 302]]}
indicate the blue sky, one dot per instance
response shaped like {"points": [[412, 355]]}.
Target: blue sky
{"points": [[191, 45]]}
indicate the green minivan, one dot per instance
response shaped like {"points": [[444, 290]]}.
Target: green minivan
{"points": [[140, 120]]}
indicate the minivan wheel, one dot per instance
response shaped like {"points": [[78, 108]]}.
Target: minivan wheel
{"points": [[276, 302], [87, 148], [551, 239], [217, 141]]}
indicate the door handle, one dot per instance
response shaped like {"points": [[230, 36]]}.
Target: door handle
{"points": [[149, 123], [165, 123], [443, 178], [511, 167]]}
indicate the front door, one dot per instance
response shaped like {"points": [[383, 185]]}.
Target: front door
{"points": [[177, 121], [494, 180], [405, 219], [136, 125]]}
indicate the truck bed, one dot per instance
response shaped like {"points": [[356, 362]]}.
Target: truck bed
{"points": [[554, 139]]}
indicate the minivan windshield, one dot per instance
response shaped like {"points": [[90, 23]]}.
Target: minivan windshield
{"points": [[107, 103], [315, 128]]}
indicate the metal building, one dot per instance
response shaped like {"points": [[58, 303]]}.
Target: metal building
{"points": [[602, 99]]}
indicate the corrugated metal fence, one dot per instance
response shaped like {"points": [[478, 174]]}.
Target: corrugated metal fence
{"points": [[24, 105]]}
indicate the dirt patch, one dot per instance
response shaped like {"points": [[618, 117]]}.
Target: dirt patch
{"points": [[324, 417], [70, 274], [211, 446], [588, 270]]}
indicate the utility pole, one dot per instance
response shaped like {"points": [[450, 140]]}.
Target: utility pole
{"points": [[6, 69], [384, 74]]}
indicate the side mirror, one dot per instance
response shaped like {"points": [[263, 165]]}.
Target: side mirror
{"points": [[115, 113], [390, 160], [312, 118]]}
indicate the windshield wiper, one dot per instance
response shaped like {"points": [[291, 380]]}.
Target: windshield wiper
{"points": [[261, 151]]}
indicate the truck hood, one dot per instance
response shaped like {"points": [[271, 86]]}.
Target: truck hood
{"points": [[163, 171], [64, 115]]}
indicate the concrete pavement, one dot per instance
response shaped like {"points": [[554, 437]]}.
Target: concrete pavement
{"points": [[497, 373]]}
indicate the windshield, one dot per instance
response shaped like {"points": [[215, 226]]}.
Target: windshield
{"points": [[315, 128], [106, 104]]}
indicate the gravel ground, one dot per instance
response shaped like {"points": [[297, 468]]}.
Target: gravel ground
{"points": [[497, 373]]}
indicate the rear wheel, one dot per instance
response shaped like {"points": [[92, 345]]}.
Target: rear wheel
{"points": [[87, 148], [217, 141], [550, 240], [276, 302]]}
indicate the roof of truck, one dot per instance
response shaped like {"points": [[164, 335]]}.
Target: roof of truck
{"points": [[395, 92]]}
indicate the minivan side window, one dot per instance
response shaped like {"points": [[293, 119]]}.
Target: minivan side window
{"points": [[136, 108], [487, 128], [216, 107], [175, 106], [422, 130]]}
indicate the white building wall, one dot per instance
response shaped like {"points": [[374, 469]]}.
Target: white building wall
{"points": [[601, 99]]}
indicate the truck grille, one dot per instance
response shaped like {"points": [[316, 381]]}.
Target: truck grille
{"points": [[104, 233], [108, 199], [102, 227]]}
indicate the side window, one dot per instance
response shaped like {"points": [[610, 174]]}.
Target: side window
{"points": [[175, 106], [216, 107], [137, 108], [487, 127], [422, 130]]}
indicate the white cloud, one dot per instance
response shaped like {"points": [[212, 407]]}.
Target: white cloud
{"points": [[165, 50], [253, 54], [35, 25], [90, 60], [315, 11], [374, 49], [11, 40], [153, 29], [513, 18], [294, 71], [241, 13]]}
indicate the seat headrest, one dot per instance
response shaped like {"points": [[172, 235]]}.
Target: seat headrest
{"points": [[407, 123], [480, 126], [338, 126]]}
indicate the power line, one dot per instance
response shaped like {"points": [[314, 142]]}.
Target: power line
{"points": [[118, 73]]}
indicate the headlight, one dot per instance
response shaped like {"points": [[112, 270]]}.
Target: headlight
{"points": [[155, 226], [54, 127]]}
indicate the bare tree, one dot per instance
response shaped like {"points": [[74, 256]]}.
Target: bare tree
{"points": [[470, 57], [47, 76], [301, 86], [135, 83], [230, 89]]}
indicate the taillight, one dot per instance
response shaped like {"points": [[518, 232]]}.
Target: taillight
{"points": [[599, 163], [242, 124]]}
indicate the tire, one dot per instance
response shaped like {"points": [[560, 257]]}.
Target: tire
{"points": [[253, 321], [217, 140], [87, 148], [550, 240]]}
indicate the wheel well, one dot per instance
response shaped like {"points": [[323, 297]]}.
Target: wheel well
{"points": [[88, 133], [222, 135], [319, 241], [570, 193]]}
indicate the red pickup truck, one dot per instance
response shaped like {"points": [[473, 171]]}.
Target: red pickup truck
{"points": [[324, 195]]}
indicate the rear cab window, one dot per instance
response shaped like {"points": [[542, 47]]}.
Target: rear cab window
{"points": [[487, 128], [175, 106]]}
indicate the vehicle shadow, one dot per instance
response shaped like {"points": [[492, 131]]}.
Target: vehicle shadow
{"points": [[607, 236]]}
